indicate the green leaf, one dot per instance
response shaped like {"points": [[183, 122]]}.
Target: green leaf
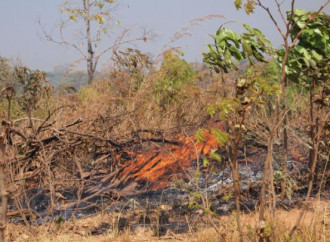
{"points": [[241, 82], [231, 48], [317, 56], [247, 48], [206, 162], [299, 12], [200, 135], [249, 7], [73, 18], [211, 110], [196, 195], [222, 137], [238, 4], [227, 197], [99, 18], [307, 58], [193, 204], [236, 53], [215, 156], [197, 175]]}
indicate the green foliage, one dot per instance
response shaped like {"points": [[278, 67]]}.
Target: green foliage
{"points": [[7, 75], [15, 108], [197, 195], [268, 229], [310, 57], [215, 156], [271, 72], [193, 204], [206, 162], [226, 47], [88, 94], [278, 176], [238, 4], [253, 88], [173, 75], [227, 52], [227, 196], [222, 137], [256, 85], [197, 175], [100, 11], [200, 135], [60, 221], [230, 48], [316, 34], [134, 63], [248, 6], [223, 107], [34, 88]]}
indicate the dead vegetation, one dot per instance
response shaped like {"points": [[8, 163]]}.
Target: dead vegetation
{"points": [[104, 227], [148, 152], [86, 151]]}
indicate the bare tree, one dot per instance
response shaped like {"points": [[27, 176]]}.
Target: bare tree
{"points": [[97, 19]]}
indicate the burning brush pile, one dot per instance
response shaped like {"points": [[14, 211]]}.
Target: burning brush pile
{"points": [[159, 167], [126, 171], [169, 174], [103, 155]]}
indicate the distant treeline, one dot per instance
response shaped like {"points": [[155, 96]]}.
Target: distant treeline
{"points": [[62, 77]]}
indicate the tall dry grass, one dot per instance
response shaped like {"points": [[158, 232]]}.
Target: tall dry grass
{"points": [[314, 228]]}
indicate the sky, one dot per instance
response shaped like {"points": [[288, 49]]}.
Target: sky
{"points": [[21, 34]]}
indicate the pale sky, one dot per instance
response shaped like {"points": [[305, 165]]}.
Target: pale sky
{"points": [[21, 34]]}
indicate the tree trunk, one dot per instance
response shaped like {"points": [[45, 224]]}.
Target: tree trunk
{"points": [[312, 125], [3, 192], [267, 188], [284, 166], [237, 191], [90, 51], [266, 180]]}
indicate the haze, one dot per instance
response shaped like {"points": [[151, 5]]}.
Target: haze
{"points": [[21, 34]]}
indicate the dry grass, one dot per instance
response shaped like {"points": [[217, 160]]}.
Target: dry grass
{"points": [[315, 227]]}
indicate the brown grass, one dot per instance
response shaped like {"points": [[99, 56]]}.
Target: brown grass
{"points": [[315, 227]]}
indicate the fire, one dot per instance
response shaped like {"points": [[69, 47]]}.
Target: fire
{"points": [[156, 168]]}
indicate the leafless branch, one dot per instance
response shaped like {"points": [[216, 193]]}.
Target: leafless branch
{"points": [[272, 18]]}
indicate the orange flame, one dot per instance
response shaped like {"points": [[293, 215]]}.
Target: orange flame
{"points": [[156, 167]]}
